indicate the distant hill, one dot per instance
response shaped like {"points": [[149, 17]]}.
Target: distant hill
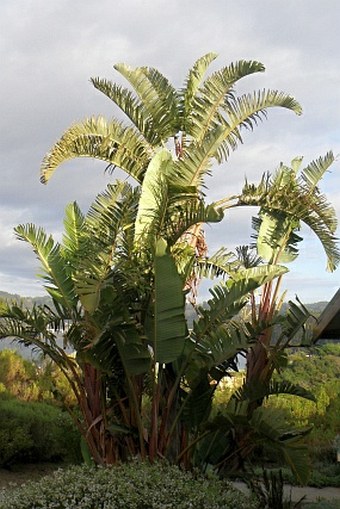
{"points": [[26, 301], [29, 302], [315, 308]]}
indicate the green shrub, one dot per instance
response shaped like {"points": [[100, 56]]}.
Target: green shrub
{"points": [[32, 381], [325, 474], [32, 431], [18, 376], [130, 486]]}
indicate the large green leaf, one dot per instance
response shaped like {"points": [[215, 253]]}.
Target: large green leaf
{"points": [[215, 93], [152, 202], [74, 228], [133, 352], [275, 242], [167, 326]]}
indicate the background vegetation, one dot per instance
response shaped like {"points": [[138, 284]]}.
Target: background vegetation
{"points": [[34, 424]]}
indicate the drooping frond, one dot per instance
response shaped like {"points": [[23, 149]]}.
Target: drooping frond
{"points": [[286, 199], [37, 329], [246, 111], [224, 133], [193, 82], [313, 173], [216, 90], [157, 95], [328, 240], [131, 106], [259, 391], [58, 279], [29, 325], [108, 141]]}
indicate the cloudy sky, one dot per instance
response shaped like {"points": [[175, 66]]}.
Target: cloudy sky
{"points": [[50, 49]]}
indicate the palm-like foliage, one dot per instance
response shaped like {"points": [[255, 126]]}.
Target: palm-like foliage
{"points": [[87, 298], [288, 199], [285, 200], [205, 118]]}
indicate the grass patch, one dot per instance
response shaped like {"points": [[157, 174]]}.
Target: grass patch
{"points": [[36, 432]]}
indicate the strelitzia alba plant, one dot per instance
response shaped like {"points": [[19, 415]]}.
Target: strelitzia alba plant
{"points": [[286, 199]]}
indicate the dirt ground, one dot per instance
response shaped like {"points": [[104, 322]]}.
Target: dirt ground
{"points": [[20, 474]]}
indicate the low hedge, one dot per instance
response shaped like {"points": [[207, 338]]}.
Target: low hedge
{"points": [[32, 431], [130, 486]]}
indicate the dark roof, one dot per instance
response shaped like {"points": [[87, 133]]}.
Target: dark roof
{"points": [[328, 325]]}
